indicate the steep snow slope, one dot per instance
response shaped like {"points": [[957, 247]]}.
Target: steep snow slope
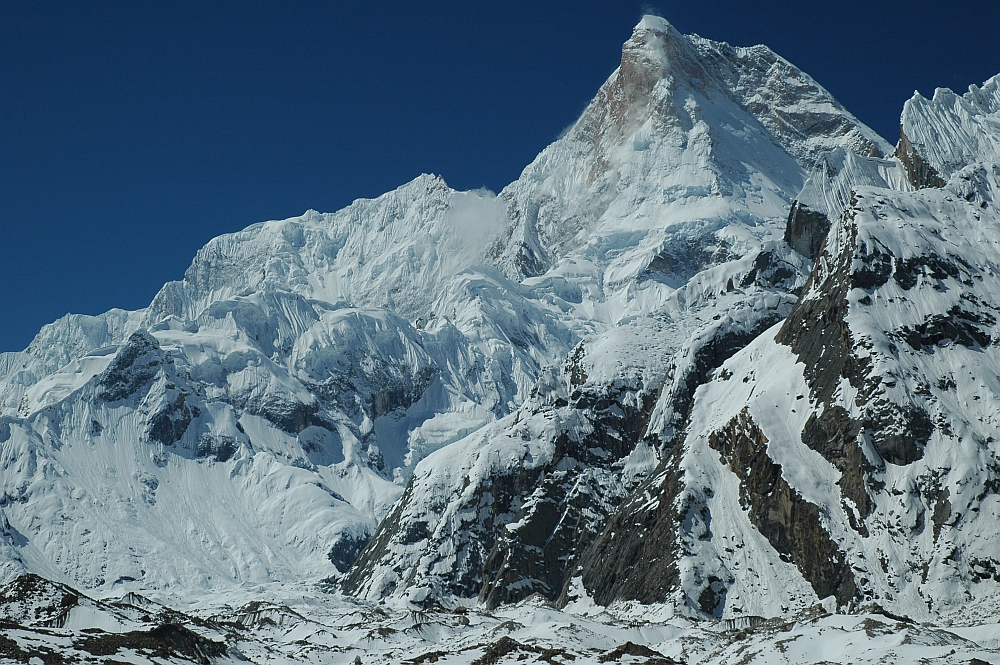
{"points": [[397, 251], [256, 385], [252, 378], [320, 358], [828, 191], [621, 381], [946, 133], [851, 451]]}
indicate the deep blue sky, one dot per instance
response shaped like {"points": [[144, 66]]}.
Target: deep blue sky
{"points": [[133, 132]]}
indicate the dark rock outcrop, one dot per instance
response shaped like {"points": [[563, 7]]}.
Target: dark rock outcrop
{"points": [[806, 229], [493, 506], [171, 421], [709, 354], [346, 550], [635, 555], [563, 513], [221, 447], [769, 271], [817, 330], [833, 434], [790, 523], [631, 649], [958, 326], [524, 530], [918, 171], [818, 333], [31, 598], [136, 364], [685, 256], [168, 641]]}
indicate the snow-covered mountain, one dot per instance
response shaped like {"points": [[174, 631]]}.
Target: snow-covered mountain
{"points": [[720, 353], [687, 176]]}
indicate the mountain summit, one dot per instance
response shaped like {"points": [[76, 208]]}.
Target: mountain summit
{"points": [[682, 120]]}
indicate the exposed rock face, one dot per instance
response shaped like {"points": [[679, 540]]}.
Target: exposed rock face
{"points": [[818, 332], [86, 628], [166, 641], [841, 432], [834, 435], [806, 230], [33, 599], [346, 551], [791, 525], [521, 519], [918, 171], [171, 420], [536, 553], [700, 358], [468, 530], [636, 555], [134, 367], [507, 530]]}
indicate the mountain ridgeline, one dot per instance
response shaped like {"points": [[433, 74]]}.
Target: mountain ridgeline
{"points": [[720, 347]]}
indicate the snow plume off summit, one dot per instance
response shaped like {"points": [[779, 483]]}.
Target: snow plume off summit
{"points": [[721, 365]]}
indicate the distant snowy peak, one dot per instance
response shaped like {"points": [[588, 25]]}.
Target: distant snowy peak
{"points": [[396, 251], [804, 118], [941, 135], [682, 119]]}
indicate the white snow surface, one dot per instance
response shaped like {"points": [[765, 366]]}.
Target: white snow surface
{"points": [[278, 623], [335, 351], [952, 131], [687, 137]]}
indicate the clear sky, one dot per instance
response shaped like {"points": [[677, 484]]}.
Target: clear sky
{"points": [[133, 132]]}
